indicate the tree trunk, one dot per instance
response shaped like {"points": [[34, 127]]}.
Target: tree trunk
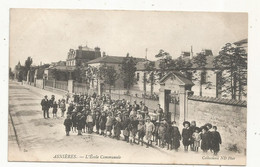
{"points": [[200, 87]]}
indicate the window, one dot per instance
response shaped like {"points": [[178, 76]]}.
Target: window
{"points": [[137, 76], [203, 77]]}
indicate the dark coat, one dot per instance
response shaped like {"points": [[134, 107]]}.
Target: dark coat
{"points": [[176, 137], [205, 141], [162, 131], [186, 136], [45, 104], [215, 141], [117, 128], [70, 109], [55, 108], [81, 122], [168, 135], [67, 123], [102, 122]]}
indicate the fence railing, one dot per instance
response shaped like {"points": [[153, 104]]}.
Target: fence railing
{"points": [[49, 83], [63, 85], [81, 88]]}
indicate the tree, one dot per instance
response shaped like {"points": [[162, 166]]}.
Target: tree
{"points": [[200, 62], [166, 62], [109, 75], [27, 65], [232, 64], [59, 75], [128, 70], [11, 74], [151, 70]]}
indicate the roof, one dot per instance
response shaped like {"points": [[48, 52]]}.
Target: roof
{"points": [[112, 59], [243, 41], [86, 48], [179, 75], [63, 68], [185, 54]]}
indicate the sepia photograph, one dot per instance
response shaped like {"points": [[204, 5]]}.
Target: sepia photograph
{"points": [[128, 86]]}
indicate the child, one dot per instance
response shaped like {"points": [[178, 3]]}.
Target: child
{"points": [[186, 135], [133, 129], [196, 139], [117, 128], [126, 127], [149, 129], [162, 132], [89, 122], [141, 132], [67, 123], [168, 136], [62, 107], [192, 129], [80, 122], [205, 139], [102, 122], [109, 124], [54, 109], [96, 121], [216, 140], [74, 121], [176, 136]]}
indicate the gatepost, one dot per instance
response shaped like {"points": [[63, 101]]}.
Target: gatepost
{"points": [[70, 86]]}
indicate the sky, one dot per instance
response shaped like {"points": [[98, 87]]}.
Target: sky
{"points": [[46, 35]]}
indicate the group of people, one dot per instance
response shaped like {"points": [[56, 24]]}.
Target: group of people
{"points": [[113, 118]]}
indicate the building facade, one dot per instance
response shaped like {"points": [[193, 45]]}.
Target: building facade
{"points": [[82, 55]]}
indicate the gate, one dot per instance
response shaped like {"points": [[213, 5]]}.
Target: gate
{"points": [[174, 106]]}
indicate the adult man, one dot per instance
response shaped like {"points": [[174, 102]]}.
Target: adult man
{"points": [[45, 106], [159, 112]]}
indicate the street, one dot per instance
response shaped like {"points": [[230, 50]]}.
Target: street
{"points": [[42, 139]]}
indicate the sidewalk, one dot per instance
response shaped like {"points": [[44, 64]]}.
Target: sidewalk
{"points": [[43, 92]]}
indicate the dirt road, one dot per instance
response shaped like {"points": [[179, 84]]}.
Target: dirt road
{"points": [[42, 139]]}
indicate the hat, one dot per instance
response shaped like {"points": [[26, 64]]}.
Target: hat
{"points": [[148, 118], [186, 122], [163, 119], [208, 125], [197, 128], [45, 96], [204, 127], [141, 101]]}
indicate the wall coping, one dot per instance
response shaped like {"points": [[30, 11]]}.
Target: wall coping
{"points": [[233, 102]]}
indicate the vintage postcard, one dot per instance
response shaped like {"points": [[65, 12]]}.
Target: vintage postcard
{"points": [[136, 87]]}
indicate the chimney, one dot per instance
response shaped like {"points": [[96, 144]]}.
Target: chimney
{"points": [[97, 49], [80, 47]]}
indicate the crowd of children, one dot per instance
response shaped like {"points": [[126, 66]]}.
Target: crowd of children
{"points": [[112, 118]]}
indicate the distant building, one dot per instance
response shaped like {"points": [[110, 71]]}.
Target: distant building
{"points": [[114, 61], [210, 78], [82, 55]]}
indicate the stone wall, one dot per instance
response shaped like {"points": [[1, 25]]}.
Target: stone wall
{"points": [[231, 121]]}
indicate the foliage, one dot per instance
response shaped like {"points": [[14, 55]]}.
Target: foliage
{"points": [[108, 74], [79, 74], [152, 74], [128, 70], [27, 64], [200, 62], [60, 75], [11, 74], [232, 64]]}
